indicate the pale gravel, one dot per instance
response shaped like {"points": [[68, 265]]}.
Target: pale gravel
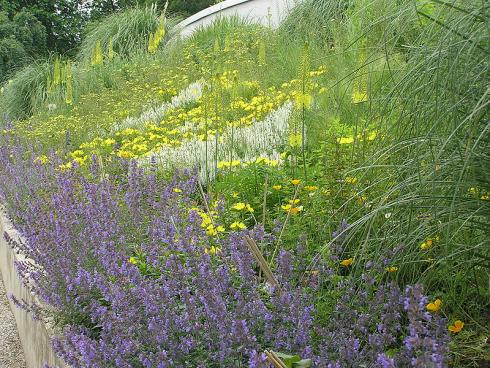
{"points": [[11, 354]]}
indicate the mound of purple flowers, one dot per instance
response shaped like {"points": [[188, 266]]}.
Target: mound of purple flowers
{"points": [[121, 258]]}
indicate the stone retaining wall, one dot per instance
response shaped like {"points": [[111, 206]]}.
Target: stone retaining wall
{"points": [[33, 334]]}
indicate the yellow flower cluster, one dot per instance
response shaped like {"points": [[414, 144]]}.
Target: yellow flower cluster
{"points": [[200, 121]]}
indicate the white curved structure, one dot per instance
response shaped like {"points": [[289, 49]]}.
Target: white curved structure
{"points": [[265, 12]]}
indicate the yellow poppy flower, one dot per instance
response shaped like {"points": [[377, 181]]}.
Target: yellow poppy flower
{"points": [[277, 187], [435, 306], [456, 327], [295, 181], [347, 262]]}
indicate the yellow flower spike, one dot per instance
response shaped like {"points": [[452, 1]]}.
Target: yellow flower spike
{"points": [[456, 327], [345, 140], [295, 181], [392, 269], [347, 262], [295, 140], [303, 100], [434, 306], [277, 187], [177, 190], [237, 225]]}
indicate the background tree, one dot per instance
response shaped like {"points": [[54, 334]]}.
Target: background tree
{"points": [[22, 39]]}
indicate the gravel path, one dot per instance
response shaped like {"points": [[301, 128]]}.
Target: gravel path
{"points": [[11, 354]]}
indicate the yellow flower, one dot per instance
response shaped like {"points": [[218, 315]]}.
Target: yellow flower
{"points": [[286, 207], [372, 136], [485, 197], [456, 327], [359, 96], [311, 188], [235, 194], [294, 201], [133, 260], [213, 250], [347, 262], [435, 306], [238, 226], [345, 140], [177, 190], [211, 231], [295, 210], [295, 181], [66, 166], [351, 180], [249, 208], [277, 187], [427, 244], [239, 206], [41, 159], [392, 269]]}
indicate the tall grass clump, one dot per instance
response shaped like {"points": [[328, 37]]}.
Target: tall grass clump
{"points": [[428, 178], [26, 91], [128, 32]]}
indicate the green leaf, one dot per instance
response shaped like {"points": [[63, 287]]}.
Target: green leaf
{"points": [[304, 363], [289, 360]]}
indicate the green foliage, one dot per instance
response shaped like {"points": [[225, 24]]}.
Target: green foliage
{"points": [[22, 38], [128, 31]]}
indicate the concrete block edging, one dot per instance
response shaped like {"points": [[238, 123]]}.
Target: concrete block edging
{"points": [[35, 335]]}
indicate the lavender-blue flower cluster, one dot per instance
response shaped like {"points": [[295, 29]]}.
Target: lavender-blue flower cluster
{"points": [[120, 255]]}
